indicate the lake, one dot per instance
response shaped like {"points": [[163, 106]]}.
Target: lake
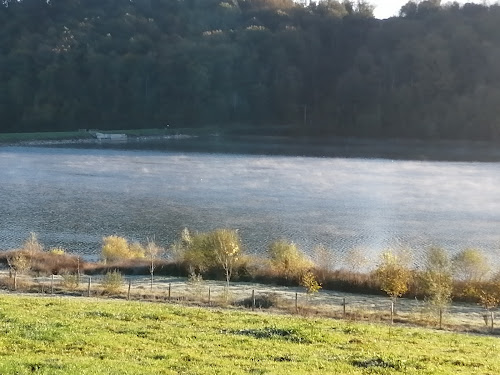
{"points": [[332, 194]]}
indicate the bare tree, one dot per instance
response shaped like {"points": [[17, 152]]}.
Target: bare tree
{"points": [[438, 280], [21, 260], [31, 245], [324, 261], [152, 252], [226, 245], [356, 260]]}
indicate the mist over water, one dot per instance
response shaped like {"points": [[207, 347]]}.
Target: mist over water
{"points": [[72, 197]]}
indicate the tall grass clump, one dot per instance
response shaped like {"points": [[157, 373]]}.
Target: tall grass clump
{"points": [[31, 258]]}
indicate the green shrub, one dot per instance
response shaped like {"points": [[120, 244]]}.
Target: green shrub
{"points": [[193, 252], [263, 301], [195, 281], [112, 282], [287, 260], [70, 281]]}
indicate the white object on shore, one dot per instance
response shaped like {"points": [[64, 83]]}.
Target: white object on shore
{"points": [[112, 137]]}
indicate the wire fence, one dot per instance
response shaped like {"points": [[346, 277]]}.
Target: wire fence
{"points": [[253, 296]]}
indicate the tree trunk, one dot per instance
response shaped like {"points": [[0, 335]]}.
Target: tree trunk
{"points": [[392, 312]]}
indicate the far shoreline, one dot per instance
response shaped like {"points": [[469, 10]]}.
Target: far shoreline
{"points": [[271, 143], [88, 136], [80, 141]]}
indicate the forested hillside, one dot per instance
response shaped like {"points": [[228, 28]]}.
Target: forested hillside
{"points": [[326, 68]]}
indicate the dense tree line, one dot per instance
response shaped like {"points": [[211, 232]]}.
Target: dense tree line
{"points": [[326, 68]]}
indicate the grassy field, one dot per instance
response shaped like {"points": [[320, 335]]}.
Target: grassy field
{"points": [[46, 335]]}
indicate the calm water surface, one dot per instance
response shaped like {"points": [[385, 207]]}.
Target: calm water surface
{"points": [[72, 197]]}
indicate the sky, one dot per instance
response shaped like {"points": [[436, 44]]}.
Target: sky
{"points": [[389, 8]]}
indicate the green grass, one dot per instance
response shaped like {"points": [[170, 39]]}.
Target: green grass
{"points": [[81, 336]]}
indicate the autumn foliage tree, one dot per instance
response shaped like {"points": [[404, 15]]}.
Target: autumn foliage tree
{"points": [[226, 247], [287, 259], [218, 248], [393, 275], [489, 296], [310, 283], [118, 248]]}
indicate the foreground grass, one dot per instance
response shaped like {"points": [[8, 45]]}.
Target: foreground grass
{"points": [[68, 336]]}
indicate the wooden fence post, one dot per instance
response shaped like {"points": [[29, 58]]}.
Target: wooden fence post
{"points": [[169, 291], [392, 312], [52, 284], [15, 280], [88, 288], [343, 308], [296, 302], [128, 292], [78, 271], [209, 295], [253, 299]]}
